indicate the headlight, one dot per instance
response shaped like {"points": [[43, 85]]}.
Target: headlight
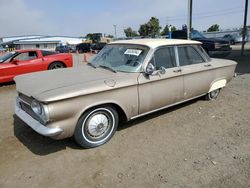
{"points": [[40, 110], [36, 107], [217, 45]]}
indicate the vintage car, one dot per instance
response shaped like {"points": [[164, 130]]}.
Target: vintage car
{"points": [[126, 80], [26, 61]]}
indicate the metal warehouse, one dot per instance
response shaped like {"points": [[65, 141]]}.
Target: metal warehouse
{"points": [[39, 41]]}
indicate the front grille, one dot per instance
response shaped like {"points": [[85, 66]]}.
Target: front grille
{"points": [[25, 102]]}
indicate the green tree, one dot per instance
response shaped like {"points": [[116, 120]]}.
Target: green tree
{"points": [[165, 31], [130, 33], [143, 30], [151, 28], [213, 28]]}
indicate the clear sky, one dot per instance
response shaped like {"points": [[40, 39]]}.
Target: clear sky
{"points": [[79, 17]]}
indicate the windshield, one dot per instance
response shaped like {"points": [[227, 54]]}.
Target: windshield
{"points": [[121, 57], [6, 56], [197, 35]]}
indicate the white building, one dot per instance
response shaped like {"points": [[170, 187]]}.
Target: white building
{"points": [[39, 41]]}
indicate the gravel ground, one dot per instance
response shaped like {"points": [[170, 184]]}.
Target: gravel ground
{"points": [[196, 144]]}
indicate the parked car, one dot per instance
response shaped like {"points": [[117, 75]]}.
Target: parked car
{"points": [[233, 38], [214, 47], [2, 49], [63, 49], [126, 80], [83, 47], [26, 61]]}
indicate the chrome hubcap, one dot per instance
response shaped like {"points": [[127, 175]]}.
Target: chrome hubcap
{"points": [[214, 93], [97, 125]]}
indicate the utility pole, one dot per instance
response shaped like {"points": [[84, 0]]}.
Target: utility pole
{"points": [[244, 28], [115, 31], [189, 21]]}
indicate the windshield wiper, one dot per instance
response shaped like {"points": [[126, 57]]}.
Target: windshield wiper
{"points": [[109, 68]]}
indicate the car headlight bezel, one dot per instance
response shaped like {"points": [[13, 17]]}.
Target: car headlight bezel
{"points": [[41, 111]]}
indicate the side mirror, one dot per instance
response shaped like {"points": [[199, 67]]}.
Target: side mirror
{"points": [[150, 69]]}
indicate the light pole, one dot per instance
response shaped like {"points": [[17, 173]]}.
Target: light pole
{"points": [[244, 29], [189, 25], [115, 30]]}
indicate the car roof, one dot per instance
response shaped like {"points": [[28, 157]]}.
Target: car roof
{"points": [[154, 43], [26, 50]]}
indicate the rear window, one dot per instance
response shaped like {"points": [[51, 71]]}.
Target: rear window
{"points": [[46, 53]]}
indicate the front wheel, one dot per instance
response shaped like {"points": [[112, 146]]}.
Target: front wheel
{"points": [[213, 94], [96, 127]]}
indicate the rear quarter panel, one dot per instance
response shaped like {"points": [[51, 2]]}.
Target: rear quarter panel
{"points": [[223, 69], [66, 58]]}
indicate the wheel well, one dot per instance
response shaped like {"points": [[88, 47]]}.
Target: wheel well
{"points": [[57, 62], [122, 115]]}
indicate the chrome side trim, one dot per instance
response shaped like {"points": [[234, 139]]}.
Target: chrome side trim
{"points": [[35, 125], [146, 113]]}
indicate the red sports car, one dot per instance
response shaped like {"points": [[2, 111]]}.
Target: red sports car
{"points": [[26, 61]]}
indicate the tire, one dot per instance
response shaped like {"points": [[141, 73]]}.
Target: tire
{"points": [[96, 127], [56, 65], [212, 95]]}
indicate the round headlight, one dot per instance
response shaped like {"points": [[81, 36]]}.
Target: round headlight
{"points": [[36, 107]]}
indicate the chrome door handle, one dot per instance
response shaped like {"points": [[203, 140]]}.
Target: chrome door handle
{"points": [[207, 65], [178, 70]]}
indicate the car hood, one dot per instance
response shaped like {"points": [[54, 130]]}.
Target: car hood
{"points": [[212, 40], [54, 85]]}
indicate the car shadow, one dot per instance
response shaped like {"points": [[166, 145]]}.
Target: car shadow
{"points": [[41, 145], [157, 114], [7, 84], [38, 144], [243, 66]]}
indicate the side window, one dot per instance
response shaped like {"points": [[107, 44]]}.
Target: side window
{"points": [[26, 56], [164, 57], [189, 56]]}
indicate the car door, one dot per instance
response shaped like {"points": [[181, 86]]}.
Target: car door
{"points": [[164, 86], [196, 70], [24, 62]]}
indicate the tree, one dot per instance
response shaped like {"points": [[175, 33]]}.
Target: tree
{"points": [[213, 28], [143, 31], [151, 28], [165, 31], [130, 33]]}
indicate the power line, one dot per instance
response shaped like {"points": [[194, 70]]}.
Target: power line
{"points": [[208, 15]]}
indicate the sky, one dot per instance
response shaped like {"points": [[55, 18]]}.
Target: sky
{"points": [[80, 17]]}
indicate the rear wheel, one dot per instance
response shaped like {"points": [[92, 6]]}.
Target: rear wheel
{"points": [[96, 127], [213, 94], [56, 65]]}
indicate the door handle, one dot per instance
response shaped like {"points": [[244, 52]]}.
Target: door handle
{"points": [[178, 70], [207, 65]]}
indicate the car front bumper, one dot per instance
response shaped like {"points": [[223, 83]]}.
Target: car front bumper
{"points": [[36, 125]]}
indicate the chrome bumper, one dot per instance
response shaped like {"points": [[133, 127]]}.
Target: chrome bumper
{"points": [[35, 125]]}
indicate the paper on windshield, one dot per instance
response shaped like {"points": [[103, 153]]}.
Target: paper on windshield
{"points": [[133, 52]]}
